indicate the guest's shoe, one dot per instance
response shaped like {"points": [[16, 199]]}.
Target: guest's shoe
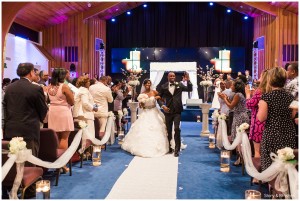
{"points": [[65, 169], [238, 162], [176, 154], [170, 150]]}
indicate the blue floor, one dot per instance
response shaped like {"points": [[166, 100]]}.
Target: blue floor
{"points": [[199, 173]]}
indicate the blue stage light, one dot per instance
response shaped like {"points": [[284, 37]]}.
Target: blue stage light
{"points": [[246, 17], [113, 19], [128, 13], [228, 11], [145, 5], [211, 4]]}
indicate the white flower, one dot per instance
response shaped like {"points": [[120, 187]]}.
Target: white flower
{"points": [[215, 115], [134, 82], [125, 111], [120, 113], [16, 144], [206, 83], [82, 124], [243, 127], [142, 98], [222, 116], [285, 154], [111, 114]]}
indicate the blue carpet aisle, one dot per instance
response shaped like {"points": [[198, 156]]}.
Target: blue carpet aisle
{"points": [[199, 174]]}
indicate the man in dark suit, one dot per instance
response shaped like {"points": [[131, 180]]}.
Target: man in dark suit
{"points": [[24, 108], [171, 91]]}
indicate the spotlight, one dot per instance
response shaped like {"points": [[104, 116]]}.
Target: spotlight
{"points": [[113, 19], [211, 4], [128, 13], [145, 5], [228, 11], [246, 17]]}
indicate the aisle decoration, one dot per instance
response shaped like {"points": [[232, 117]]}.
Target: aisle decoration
{"points": [[19, 154]]}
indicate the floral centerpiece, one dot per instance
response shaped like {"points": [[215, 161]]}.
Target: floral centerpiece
{"points": [[206, 79]]}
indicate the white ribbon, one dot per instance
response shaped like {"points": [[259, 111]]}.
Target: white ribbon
{"points": [[26, 155], [226, 143]]}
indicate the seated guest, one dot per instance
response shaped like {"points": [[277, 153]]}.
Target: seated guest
{"points": [[102, 96], [84, 106], [274, 108]]}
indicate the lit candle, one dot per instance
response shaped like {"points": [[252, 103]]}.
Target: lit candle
{"points": [[252, 195], [43, 189], [225, 161]]}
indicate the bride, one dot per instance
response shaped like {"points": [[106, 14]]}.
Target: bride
{"points": [[147, 136]]}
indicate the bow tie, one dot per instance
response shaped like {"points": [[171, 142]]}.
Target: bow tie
{"points": [[172, 84]]}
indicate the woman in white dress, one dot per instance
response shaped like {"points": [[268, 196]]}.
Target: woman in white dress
{"points": [[147, 136], [215, 103]]}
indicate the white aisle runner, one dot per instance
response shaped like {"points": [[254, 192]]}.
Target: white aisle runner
{"points": [[147, 178]]}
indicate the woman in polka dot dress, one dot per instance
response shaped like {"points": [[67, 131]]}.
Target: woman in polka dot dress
{"points": [[274, 108]]}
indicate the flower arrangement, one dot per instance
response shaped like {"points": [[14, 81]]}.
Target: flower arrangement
{"points": [[82, 124], [243, 127], [142, 98], [286, 154], [134, 82], [16, 144], [206, 83], [222, 116], [215, 115], [125, 111]]}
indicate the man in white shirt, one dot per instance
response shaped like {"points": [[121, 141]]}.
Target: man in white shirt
{"points": [[102, 96], [292, 75]]}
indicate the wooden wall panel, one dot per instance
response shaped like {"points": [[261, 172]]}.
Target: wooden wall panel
{"points": [[278, 31], [75, 32]]}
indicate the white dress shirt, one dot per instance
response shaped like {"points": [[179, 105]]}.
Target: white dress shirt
{"points": [[171, 88]]}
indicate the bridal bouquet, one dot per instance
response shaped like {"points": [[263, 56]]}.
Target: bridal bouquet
{"points": [[16, 144], [142, 98]]}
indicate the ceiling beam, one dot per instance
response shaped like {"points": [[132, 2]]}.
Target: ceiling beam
{"points": [[263, 6], [98, 9]]}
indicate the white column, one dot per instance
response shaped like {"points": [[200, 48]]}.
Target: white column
{"points": [[205, 110], [133, 108]]}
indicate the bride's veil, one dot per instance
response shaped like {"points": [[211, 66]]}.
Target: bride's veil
{"points": [[143, 87]]}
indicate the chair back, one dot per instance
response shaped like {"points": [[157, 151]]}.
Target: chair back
{"points": [[48, 145]]}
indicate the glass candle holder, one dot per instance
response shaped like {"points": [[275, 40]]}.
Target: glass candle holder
{"points": [[212, 141], [96, 156], [43, 189], [121, 137], [198, 118], [225, 161], [252, 195]]}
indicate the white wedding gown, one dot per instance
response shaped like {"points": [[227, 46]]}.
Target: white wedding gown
{"points": [[147, 136], [216, 103]]}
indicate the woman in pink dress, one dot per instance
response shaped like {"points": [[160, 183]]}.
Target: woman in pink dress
{"points": [[60, 117], [256, 127]]}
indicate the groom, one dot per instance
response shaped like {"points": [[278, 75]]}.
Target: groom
{"points": [[171, 92]]}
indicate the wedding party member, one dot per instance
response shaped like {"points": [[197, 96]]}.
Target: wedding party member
{"points": [[102, 96], [256, 126], [240, 114], [248, 76], [84, 106], [274, 108], [60, 117], [171, 92], [147, 136], [24, 108]]}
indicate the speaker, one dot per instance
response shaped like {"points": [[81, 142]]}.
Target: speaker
{"points": [[72, 67]]}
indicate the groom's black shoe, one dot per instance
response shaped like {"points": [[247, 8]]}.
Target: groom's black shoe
{"points": [[176, 154], [170, 150]]}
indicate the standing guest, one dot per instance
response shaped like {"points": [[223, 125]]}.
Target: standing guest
{"points": [[15, 79], [273, 107], [44, 77], [68, 77], [292, 76], [102, 96], [256, 127], [60, 117], [5, 82], [239, 73], [240, 115], [248, 76], [24, 107], [84, 106]]}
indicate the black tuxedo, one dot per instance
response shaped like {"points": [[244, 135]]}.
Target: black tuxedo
{"points": [[24, 108], [174, 103]]}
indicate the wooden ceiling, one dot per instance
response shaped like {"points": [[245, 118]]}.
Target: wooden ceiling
{"points": [[40, 15]]}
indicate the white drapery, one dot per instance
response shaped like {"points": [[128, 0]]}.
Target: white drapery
{"points": [[22, 156], [157, 70], [278, 168]]}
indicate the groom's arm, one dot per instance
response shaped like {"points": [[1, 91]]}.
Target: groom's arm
{"points": [[161, 94]]}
